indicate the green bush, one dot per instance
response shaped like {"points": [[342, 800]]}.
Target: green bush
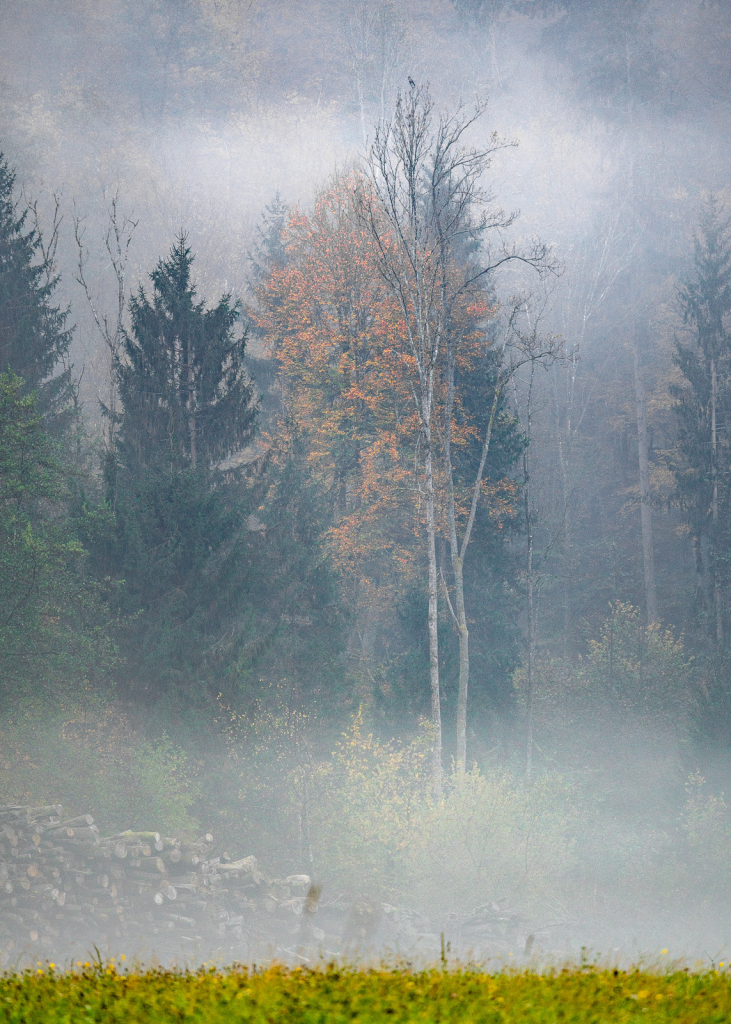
{"points": [[94, 762]]}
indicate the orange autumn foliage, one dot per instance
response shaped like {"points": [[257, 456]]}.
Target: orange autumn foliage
{"points": [[334, 332], [347, 380]]}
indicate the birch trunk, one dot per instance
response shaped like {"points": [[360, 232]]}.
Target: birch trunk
{"points": [[457, 556], [464, 666], [531, 658], [529, 583], [457, 562], [436, 708]]}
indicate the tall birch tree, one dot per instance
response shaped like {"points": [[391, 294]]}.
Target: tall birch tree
{"points": [[429, 214]]}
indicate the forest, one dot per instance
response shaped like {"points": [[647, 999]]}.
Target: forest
{"points": [[365, 445]]}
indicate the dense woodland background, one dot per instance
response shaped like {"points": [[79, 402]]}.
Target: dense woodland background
{"points": [[214, 520]]}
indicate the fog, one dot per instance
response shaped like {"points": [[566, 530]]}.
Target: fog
{"points": [[251, 662]]}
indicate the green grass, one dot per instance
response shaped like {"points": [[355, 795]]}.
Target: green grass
{"points": [[101, 993]]}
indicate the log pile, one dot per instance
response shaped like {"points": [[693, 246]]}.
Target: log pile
{"points": [[65, 889]]}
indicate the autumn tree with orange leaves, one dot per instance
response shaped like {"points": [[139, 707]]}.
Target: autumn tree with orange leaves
{"points": [[332, 326], [369, 366]]}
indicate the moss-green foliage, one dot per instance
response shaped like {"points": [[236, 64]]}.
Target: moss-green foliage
{"points": [[641, 674], [52, 626], [34, 337], [357, 812], [492, 838], [100, 993], [91, 760], [706, 827]]}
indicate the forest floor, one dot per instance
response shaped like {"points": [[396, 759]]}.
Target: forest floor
{"points": [[115, 993]]}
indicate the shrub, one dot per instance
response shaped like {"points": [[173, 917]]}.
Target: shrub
{"points": [[363, 820], [94, 762]]}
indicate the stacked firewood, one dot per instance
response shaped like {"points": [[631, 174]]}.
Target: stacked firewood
{"points": [[65, 889], [69, 893]]}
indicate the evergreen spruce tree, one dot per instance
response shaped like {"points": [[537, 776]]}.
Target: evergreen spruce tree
{"points": [[33, 333], [267, 255], [703, 409], [187, 404], [269, 252], [186, 396], [53, 636], [703, 472]]}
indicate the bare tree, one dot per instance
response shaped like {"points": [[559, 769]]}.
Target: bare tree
{"points": [[606, 263], [403, 229], [117, 241], [425, 205], [375, 35]]}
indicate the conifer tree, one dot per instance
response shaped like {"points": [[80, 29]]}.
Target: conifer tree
{"points": [[182, 384], [34, 337], [187, 404], [269, 251], [268, 255], [703, 409], [52, 631]]}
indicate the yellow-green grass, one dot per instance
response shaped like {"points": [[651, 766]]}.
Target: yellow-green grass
{"points": [[276, 994]]}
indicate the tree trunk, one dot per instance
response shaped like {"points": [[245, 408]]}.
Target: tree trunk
{"points": [[457, 562], [531, 671], [458, 553], [436, 709], [464, 666], [718, 609], [191, 409], [531, 681], [648, 555], [529, 585]]}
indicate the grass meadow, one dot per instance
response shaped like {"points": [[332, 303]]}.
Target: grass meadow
{"points": [[333, 994]]}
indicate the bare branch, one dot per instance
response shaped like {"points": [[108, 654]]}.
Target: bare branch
{"points": [[48, 241], [117, 240]]}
